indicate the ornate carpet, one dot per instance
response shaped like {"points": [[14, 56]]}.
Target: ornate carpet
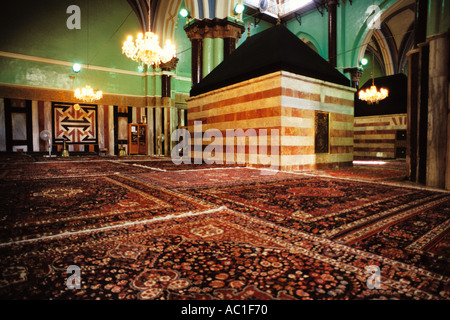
{"points": [[61, 169], [47, 207], [221, 255], [367, 170], [216, 233], [405, 224], [211, 177], [165, 164]]}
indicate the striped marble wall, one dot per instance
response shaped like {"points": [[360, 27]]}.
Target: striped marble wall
{"points": [[279, 101], [41, 118], [302, 100], [379, 136]]}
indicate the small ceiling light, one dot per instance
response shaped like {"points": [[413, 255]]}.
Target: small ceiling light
{"points": [[76, 106], [184, 13], [76, 67], [364, 61], [239, 8]]}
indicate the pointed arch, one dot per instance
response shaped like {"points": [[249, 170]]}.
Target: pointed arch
{"points": [[365, 34], [311, 39]]}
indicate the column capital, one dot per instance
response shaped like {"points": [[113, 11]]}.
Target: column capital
{"points": [[170, 65], [355, 75], [214, 28], [355, 72]]}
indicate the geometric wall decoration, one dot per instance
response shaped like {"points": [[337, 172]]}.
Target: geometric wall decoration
{"points": [[74, 126]]}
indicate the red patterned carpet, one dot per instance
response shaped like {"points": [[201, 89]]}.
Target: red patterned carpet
{"points": [[171, 233], [388, 170]]}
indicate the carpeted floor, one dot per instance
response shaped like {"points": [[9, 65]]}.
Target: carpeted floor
{"points": [[144, 228]]}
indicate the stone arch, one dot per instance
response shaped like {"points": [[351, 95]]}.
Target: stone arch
{"points": [[365, 34], [312, 40]]}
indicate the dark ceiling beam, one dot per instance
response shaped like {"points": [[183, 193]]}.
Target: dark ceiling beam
{"points": [[140, 8], [392, 45], [374, 50], [406, 45]]}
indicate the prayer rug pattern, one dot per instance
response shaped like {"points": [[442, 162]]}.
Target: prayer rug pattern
{"points": [[168, 165], [225, 255], [47, 207], [354, 213], [211, 177], [372, 174], [58, 169], [145, 228]]}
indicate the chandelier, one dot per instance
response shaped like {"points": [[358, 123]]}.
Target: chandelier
{"points": [[372, 95], [87, 94], [146, 49]]}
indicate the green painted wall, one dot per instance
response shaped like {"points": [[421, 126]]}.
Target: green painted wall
{"points": [[182, 81], [39, 29], [254, 29], [374, 66], [183, 48]]}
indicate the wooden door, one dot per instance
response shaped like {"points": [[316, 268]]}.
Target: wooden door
{"points": [[133, 139], [142, 138], [18, 125], [137, 138]]}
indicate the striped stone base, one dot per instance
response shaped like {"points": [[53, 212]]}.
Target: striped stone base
{"points": [[376, 136], [288, 107]]}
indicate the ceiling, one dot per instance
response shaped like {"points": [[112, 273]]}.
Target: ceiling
{"points": [[140, 8], [398, 30]]}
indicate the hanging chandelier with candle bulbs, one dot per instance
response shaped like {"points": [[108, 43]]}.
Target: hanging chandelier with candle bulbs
{"points": [[146, 48], [373, 95], [87, 94]]}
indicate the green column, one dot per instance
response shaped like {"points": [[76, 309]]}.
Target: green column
{"points": [[218, 51], [208, 56]]}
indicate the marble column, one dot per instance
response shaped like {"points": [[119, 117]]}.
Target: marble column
{"points": [[208, 56], [196, 61], [212, 40], [412, 111], [150, 131], [218, 54], [437, 111], [166, 94], [417, 95], [332, 32], [420, 22]]}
